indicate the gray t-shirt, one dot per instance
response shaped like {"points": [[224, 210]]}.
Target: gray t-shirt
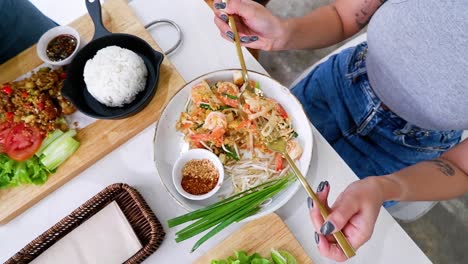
{"points": [[418, 61]]}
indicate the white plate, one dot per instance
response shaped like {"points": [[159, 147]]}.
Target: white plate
{"points": [[169, 144]]}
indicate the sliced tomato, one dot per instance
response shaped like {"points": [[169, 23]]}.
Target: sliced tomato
{"points": [[4, 131], [278, 162], [22, 142]]}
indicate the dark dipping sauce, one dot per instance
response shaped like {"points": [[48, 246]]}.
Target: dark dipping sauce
{"points": [[61, 47], [199, 176]]}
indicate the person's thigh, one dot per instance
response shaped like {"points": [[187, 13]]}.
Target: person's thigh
{"points": [[22, 26]]}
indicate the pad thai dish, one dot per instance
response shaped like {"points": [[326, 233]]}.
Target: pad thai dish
{"points": [[211, 120]]}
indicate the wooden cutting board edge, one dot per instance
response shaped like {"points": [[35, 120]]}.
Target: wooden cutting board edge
{"points": [[114, 132], [264, 226]]}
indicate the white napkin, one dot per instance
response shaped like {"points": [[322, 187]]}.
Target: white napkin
{"points": [[106, 237]]}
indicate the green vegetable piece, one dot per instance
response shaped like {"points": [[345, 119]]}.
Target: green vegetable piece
{"points": [[282, 257], [206, 106], [59, 150], [231, 259], [214, 261], [231, 153], [51, 137], [230, 96], [225, 212], [295, 134], [260, 261], [224, 107], [200, 125], [257, 85], [290, 259], [14, 173], [242, 257]]}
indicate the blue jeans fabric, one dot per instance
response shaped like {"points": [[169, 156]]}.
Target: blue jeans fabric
{"points": [[22, 25], [373, 140]]}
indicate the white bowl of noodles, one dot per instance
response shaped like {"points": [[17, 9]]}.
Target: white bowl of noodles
{"points": [[170, 143]]}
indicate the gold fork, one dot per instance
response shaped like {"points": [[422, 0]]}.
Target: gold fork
{"points": [[246, 87], [279, 145]]}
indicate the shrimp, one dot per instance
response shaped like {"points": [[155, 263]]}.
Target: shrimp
{"points": [[201, 93], [228, 93], [258, 104], [215, 120], [294, 149]]}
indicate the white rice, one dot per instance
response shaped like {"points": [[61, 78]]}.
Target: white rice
{"points": [[114, 76]]}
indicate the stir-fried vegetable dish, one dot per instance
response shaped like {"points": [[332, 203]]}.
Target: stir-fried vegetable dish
{"points": [[212, 120]]}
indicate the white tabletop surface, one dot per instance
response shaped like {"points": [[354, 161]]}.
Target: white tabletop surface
{"points": [[202, 51]]}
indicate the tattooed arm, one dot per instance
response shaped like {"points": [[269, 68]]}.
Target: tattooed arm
{"points": [[329, 24], [356, 209], [324, 26], [438, 179]]}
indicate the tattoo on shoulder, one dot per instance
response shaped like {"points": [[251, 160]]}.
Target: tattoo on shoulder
{"points": [[443, 166], [367, 10]]}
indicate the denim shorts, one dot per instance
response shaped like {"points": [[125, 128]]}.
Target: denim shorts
{"points": [[341, 104]]}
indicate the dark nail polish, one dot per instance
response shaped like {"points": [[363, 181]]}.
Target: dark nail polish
{"points": [[220, 5], [224, 17], [317, 238], [230, 34], [253, 38], [327, 228], [321, 186], [245, 39], [310, 203]]}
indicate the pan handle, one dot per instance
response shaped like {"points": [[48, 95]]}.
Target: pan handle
{"points": [[94, 10], [173, 24]]}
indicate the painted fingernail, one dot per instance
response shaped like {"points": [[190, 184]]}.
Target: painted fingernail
{"points": [[220, 5], [245, 39], [224, 17], [253, 38], [327, 228], [310, 203], [230, 34], [317, 238], [321, 186]]}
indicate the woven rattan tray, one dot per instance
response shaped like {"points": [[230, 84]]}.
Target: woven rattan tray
{"points": [[143, 221]]}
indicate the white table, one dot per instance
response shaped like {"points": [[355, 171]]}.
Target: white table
{"points": [[202, 51]]}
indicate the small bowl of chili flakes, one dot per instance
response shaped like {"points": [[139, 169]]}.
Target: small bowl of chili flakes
{"points": [[58, 45], [198, 174]]}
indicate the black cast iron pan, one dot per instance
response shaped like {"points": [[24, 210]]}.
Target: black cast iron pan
{"points": [[74, 88]]}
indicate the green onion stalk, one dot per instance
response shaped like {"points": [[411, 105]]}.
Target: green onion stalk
{"points": [[228, 211]]}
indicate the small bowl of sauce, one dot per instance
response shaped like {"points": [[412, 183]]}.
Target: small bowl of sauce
{"points": [[198, 174], [58, 45]]}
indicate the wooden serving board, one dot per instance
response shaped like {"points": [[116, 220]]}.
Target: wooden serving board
{"points": [[261, 235], [103, 136]]}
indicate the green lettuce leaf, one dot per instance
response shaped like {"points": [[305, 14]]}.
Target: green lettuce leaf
{"points": [[15, 173]]}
